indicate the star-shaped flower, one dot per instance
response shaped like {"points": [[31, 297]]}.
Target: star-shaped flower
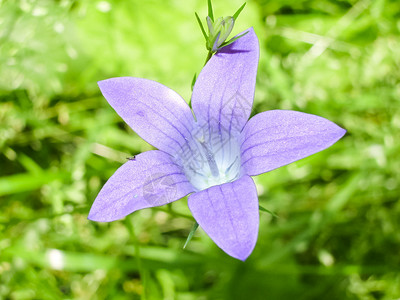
{"points": [[212, 156]]}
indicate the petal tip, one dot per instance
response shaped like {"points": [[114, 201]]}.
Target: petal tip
{"points": [[245, 251], [97, 216], [242, 256], [251, 29], [339, 132], [93, 216], [342, 132], [104, 83]]}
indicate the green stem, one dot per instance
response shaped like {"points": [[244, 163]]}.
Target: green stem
{"points": [[142, 271], [210, 53]]}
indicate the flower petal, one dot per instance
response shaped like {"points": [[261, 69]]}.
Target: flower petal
{"points": [[151, 179], [276, 138], [224, 91], [156, 113], [228, 213]]}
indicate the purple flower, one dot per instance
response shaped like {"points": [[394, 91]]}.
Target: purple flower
{"points": [[212, 156]]}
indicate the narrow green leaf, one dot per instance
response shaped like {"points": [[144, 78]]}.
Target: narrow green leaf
{"points": [[210, 11], [201, 27], [237, 13], [267, 211], [232, 40], [194, 80], [192, 231]]}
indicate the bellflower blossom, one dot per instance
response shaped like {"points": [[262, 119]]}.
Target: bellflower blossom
{"points": [[210, 156]]}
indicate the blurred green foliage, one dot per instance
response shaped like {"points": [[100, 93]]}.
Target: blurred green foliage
{"points": [[337, 234]]}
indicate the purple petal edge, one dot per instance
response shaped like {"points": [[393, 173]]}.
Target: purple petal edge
{"points": [[228, 213], [155, 112], [276, 138], [151, 179]]}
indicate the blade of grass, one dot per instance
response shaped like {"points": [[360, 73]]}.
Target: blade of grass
{"points": [[29, 164], [27, 182]]}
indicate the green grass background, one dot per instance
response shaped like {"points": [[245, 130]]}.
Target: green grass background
{"points": [[337, 234]]}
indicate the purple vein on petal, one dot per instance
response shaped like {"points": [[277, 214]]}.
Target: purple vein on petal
{"points": [[172, 125], [277, 140], [229, 212], [176, 118], [271, 154]]}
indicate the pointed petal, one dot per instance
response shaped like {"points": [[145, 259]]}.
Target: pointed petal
{"points": [[224, 91], [151, 179], [276, 138], [156, 113], [228, 213]]}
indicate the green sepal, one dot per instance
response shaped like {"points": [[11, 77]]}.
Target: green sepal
{"points": [[232, 40], [210, 25], [226, 29], [211, 33], [191, 233], [267, 211]]}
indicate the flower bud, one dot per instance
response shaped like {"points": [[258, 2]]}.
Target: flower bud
{"points": [[218, 31]]}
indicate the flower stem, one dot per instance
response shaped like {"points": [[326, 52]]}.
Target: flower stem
{"points": [[141, 268], [210, 53]]}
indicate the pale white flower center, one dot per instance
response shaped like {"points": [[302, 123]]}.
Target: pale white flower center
{"points": [[210, 157]]}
